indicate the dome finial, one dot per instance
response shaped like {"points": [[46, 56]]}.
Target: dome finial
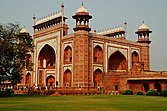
{"points": [[143, 21], [82, 3], [62, 4], [125, 22], [82, 9]]}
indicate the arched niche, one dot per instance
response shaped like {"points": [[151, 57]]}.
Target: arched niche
{"points": [[135, 58], [97, 78], [46, 57], [68, 55], [98, 55], [158, 87], [28, 79], [117, 62], [50, 81], [146, 87], [67, 78]]}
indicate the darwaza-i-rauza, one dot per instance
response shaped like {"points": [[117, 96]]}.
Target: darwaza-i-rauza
{"points": [[87, 61]]}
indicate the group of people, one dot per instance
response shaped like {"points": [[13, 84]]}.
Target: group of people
{"points": [[29, 88]]}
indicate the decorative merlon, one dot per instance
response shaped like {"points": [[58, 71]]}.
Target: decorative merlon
{"points": [[111, 31], [49, 17]]}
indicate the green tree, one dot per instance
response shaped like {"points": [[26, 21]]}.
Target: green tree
{"points": [[16, 47]]}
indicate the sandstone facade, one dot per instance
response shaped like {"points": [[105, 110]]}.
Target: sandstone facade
{"points": [[88, 60]]}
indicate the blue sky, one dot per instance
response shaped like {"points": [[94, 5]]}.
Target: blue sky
{"points": [[106, 14]]}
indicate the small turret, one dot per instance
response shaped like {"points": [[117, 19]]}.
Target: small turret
{"points": [[143, 34], [82, 19], [24, 31]]}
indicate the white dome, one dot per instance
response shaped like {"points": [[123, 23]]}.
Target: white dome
{"points": [[82, 9], [23, 30], [143, 26]]}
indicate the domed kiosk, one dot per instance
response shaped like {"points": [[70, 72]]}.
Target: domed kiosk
{"points": [[82, 19], [143, 34]]}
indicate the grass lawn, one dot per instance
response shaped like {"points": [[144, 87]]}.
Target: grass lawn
{"points": [[83, 103]]}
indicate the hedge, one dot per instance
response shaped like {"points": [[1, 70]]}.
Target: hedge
{"points": [[5, 93], [152, 93], [128, 92], [164, 93], [140, 93]]}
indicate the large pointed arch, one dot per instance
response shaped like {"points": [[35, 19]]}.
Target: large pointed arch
{"points": [[68, 55], [98, 55], [67, 78], [117, 62], [47, 57], [97, 78]]}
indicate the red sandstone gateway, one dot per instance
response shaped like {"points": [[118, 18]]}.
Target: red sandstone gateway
{"points": [[88, 61]]}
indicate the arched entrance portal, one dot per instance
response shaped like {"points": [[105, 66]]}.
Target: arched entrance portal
{"points": [[50, 81], [158, 87], [146, 87], [47, 57], [28, 79], [97, 78], [117, 62], [67, 78], [46, 60]]}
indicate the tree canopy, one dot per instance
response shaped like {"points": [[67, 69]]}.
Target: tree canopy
{"points": [[15, 52]]}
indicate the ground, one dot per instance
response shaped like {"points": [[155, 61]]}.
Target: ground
{"points": [[83, 103]]}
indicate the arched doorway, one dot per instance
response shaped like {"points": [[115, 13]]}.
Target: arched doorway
{"points": [[46, 57], [117, 62], [46, 60], [158, 87], [97, 78], [116, 87], [68, 55], [98, 55], [146, 87], [50, 81], [67, 78], [28, 79]]}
